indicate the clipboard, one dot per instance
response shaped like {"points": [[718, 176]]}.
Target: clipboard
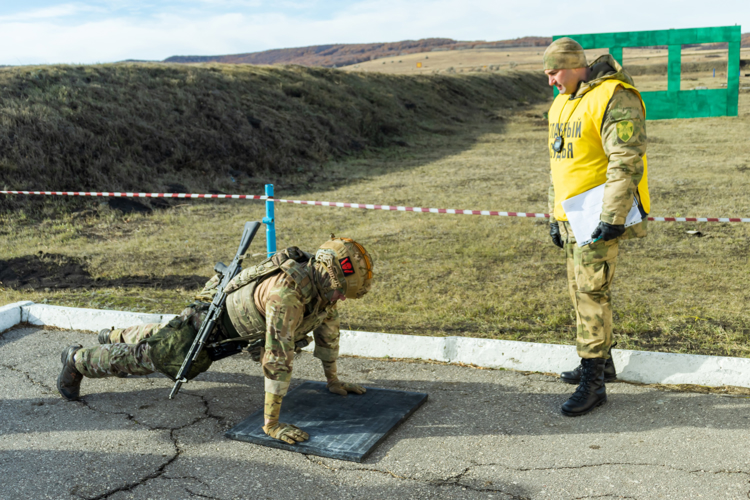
{"points": [[584, 212]]}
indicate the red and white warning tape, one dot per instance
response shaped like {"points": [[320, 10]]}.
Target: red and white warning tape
{"points": [[699, 219], [140, 195], [348, 205]]}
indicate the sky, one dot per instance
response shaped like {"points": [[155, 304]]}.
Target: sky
{"points": [[97, 31]]}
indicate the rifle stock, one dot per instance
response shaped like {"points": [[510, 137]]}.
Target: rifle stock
{"points": [[216, 307]]}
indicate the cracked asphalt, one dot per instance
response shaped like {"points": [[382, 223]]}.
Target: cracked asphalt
{"points": [[482, 434]]}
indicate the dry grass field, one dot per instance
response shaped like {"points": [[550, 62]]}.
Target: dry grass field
{"points": [[449, 274], [530, 59], [461, 61]]}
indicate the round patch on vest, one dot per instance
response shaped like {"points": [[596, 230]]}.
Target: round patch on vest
{"points": [[625, 130]]}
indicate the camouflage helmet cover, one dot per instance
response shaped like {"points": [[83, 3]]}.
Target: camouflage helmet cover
{"points": [[353, 265]]}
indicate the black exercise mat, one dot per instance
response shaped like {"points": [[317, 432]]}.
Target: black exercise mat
{"points": [[346, 428]]}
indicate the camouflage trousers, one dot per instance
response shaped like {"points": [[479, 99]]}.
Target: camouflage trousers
{"points": [[128, 355], [591, 269], [128, 352]]}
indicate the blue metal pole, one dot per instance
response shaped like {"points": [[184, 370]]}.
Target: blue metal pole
{"points": [[269, 221]]}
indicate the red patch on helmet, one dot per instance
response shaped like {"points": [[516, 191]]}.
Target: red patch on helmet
{"points": [[346, 266]]}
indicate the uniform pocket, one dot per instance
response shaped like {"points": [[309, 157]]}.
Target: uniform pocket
{"points": [[595, 266], [169, 347]]}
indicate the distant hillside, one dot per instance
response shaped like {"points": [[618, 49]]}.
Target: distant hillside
{"points": [[337, 55]]}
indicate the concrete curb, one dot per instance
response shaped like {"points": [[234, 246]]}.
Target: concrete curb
{"points": [[12, 314], [632, 366], [73, 318]]}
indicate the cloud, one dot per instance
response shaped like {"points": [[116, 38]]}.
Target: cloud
{"points": [[230, 3], [212, 27], [54, 12]]}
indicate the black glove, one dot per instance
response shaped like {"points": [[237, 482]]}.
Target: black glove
{"points": [[554, 232], [608, 232]]}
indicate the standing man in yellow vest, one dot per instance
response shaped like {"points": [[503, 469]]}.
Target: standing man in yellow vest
{"points": [[597, 135]]}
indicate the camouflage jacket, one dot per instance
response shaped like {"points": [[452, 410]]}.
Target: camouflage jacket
{"points": [[293, 309], [625, 168], [294, 306]]}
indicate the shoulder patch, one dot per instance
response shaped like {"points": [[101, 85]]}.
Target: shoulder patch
{"points": [[346, 266], [625, 130]]}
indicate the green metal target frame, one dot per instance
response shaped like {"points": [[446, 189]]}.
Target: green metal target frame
{"points": [[673, 102]]}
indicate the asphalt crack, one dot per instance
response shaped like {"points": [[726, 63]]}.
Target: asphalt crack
{"points": [[718, 472], [453, 481], [191, 478], [154, 475], [160, 471], [608, 495], [606, 464], [222, 421], [456, 479], [201, 495], [29, 378]]}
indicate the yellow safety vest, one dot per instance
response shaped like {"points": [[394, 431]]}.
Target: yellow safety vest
{"points": [[582, 163]]}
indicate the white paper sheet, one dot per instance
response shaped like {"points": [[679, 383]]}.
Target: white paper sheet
{"points": [[584, 212]]}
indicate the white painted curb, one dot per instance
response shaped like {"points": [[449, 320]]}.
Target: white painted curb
{"points": [[73, 318], [632, 366], [12, 314]]}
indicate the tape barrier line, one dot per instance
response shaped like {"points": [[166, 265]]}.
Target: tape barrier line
{"points": [[392, 208], [139, 195], [699, 219]]}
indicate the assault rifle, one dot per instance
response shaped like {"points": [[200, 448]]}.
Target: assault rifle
{"points": [[217, 305]]}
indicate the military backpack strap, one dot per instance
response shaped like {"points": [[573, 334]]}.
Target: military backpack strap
{"points": [[250, 275], [292, 253], [267, 268], [299, 274]]}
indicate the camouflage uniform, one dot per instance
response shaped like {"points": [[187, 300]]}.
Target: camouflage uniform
{"points": [[277, 301], [591, 268], [130, 351], [294, 305]]}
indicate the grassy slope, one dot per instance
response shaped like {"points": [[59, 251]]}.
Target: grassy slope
{"points": [[144, 127], [461, 275]]}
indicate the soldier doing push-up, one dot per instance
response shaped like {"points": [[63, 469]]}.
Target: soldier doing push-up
{"points": [[270, 307]]}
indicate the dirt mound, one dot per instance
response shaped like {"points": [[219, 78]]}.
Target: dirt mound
{"points": [[223, 128], [55, 271]]}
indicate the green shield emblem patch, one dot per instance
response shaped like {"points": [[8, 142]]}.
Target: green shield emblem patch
{"points": [[625, 130]]}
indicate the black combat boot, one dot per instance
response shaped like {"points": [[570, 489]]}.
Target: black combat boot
{"points": [[610, 373], [591, 391], [69, 381], [104, 336]]}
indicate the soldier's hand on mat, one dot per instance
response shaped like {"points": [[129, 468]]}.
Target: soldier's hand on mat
{"points": [[554, 232], [607, 231], [286, 432], [342, 388]]}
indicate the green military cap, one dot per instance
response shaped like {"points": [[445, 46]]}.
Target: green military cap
{"points": [[564, 53]]}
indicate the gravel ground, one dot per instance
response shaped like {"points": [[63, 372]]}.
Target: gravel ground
{"points": [[482, 434]]}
